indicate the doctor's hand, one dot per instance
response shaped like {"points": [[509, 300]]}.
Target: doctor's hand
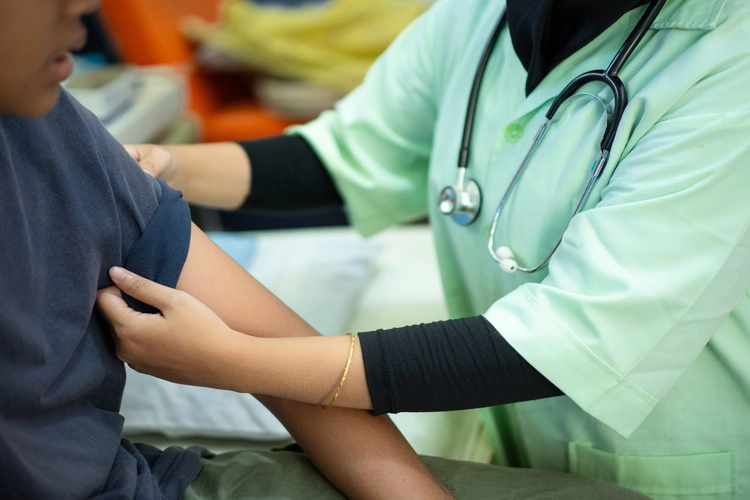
{"points": [[185, 343], [213, 175], [154, 160]]}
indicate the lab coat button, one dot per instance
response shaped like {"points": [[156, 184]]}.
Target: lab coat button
{"points": [[513, 132]]}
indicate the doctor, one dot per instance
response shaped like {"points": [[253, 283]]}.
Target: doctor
{"points": [[615, 304]]}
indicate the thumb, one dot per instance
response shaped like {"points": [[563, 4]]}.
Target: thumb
{"points": [[133, 151], [140, 288]]}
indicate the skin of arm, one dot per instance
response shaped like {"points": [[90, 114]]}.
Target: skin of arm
{"points": [[214, 175], [188, 343], [363, 455]]}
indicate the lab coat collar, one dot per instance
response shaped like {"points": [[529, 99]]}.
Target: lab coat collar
{"points": [[676, 14]]}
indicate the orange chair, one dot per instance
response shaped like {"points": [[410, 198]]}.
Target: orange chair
{"points": [[146, 32]]}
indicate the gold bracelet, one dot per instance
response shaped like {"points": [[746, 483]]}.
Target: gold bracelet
{"points": [[343, 377]]}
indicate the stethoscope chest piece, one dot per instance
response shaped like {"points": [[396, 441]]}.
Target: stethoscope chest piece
{"points": [[461, 202]]}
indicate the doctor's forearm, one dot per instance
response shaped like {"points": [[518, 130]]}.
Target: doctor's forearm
{"points": [[304, 369], [365, 456], [280, 173], [447, 365], [214, 175]]}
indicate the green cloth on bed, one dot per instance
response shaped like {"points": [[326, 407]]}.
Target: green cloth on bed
{"points": [[283, 474]]}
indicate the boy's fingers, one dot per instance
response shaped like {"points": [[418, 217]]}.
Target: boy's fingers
{"points": [[140, 288]]}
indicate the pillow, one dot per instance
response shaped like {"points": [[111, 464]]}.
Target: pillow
{"points": [[319, 274]]}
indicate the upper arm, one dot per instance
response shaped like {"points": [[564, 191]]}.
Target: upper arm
{"points": [[240, 300]]}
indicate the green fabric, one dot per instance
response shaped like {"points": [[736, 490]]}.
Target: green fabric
{"points": [[643, 316], [702, 475], [260, 474], [290, 475]]}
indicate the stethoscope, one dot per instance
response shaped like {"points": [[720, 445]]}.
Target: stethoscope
{"points": [[463, 200]]}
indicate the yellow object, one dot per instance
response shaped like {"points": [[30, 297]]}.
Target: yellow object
{"points": [[331, 44]]}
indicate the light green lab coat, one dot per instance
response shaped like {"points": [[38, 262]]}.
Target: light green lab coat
{"points": [[642, 317]]}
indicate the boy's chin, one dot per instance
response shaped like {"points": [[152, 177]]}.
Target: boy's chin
{"points": [[33, 107]]}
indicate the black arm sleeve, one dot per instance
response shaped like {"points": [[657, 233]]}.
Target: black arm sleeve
{"points": [[288, 175], [447, 365]]}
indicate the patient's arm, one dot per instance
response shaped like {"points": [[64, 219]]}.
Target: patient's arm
{"points": [[364, 455]]}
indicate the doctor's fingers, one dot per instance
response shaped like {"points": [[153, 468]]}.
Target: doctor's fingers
{"points": [[154, 160], [140, 338], [121, 319], [115, 310], [182, 315], [145, 290]]}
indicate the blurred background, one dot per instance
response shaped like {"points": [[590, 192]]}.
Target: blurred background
{"points": [[181, 71]]}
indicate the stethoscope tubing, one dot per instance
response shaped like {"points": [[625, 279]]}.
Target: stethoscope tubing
{"points": [[471, 107], [609, 77]]}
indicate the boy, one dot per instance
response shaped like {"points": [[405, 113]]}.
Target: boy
{"points": [[74, 204]]}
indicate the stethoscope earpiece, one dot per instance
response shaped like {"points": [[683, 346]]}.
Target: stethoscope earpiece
{"points": [[506, 261]]}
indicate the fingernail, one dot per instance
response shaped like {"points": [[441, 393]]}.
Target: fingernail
{"points": [[117, 273]]}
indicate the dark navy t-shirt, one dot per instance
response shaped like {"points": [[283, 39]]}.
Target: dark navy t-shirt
{"points": [[72, 204]]}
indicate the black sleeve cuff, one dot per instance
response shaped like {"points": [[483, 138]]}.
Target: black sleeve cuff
{"points": [[447, 365], [287, 175]]}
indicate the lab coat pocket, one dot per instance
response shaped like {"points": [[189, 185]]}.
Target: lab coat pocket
{"points": [[704, 475]]}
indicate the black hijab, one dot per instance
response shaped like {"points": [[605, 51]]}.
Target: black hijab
{"points": [[545, 32]]}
